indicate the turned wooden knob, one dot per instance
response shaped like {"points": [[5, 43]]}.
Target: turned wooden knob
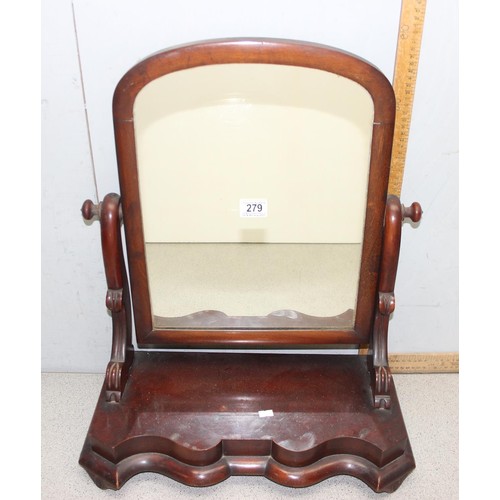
{"points": [[414, 212], [90, 210]]}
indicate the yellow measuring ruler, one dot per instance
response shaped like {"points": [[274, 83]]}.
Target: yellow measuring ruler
{"points": [[411, 25], [425, 362]]}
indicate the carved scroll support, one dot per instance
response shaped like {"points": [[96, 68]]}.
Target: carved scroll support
{"points": [[117, 297], [381, 374]]}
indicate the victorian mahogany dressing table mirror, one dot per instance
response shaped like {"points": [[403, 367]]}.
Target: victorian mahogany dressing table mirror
{"points": [[253, 177]]}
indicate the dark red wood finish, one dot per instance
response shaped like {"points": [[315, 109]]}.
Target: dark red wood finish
{"points": [[265, 51], [117, 296], [381, 374], [195, 416]]}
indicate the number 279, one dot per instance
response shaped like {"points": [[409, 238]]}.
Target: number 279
{"points": [[254, 207]]}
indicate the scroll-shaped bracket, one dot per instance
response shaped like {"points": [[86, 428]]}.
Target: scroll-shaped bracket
{"points": [[117, 297], [395, 214]]}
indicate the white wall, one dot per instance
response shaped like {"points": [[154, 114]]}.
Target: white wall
{"points": [[114, 35]]}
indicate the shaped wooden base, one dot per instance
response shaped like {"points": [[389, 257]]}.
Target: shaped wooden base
{"points": [[200, 418]]}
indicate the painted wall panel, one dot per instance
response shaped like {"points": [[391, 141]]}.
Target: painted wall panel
{"points": [[76, 332]]}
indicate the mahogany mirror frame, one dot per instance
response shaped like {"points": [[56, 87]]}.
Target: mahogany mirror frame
{"points": [[263, 51], [196, 416]]}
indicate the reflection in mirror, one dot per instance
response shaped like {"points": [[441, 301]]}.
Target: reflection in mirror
{"points": [[253, 181]]}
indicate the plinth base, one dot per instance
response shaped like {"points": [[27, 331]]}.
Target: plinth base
{"points": [[199, 418]]}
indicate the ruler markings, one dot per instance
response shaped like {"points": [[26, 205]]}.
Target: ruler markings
{"points": [[411, 25], [424, 362], [420, 362]]}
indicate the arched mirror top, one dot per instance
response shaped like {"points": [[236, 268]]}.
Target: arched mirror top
{"points": [[260, 51]]}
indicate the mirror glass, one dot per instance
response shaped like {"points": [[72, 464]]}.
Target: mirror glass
{"points": [[253, 183]]}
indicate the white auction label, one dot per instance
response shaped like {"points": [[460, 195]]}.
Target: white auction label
{"points": [[266, 413], [252, 207]]}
